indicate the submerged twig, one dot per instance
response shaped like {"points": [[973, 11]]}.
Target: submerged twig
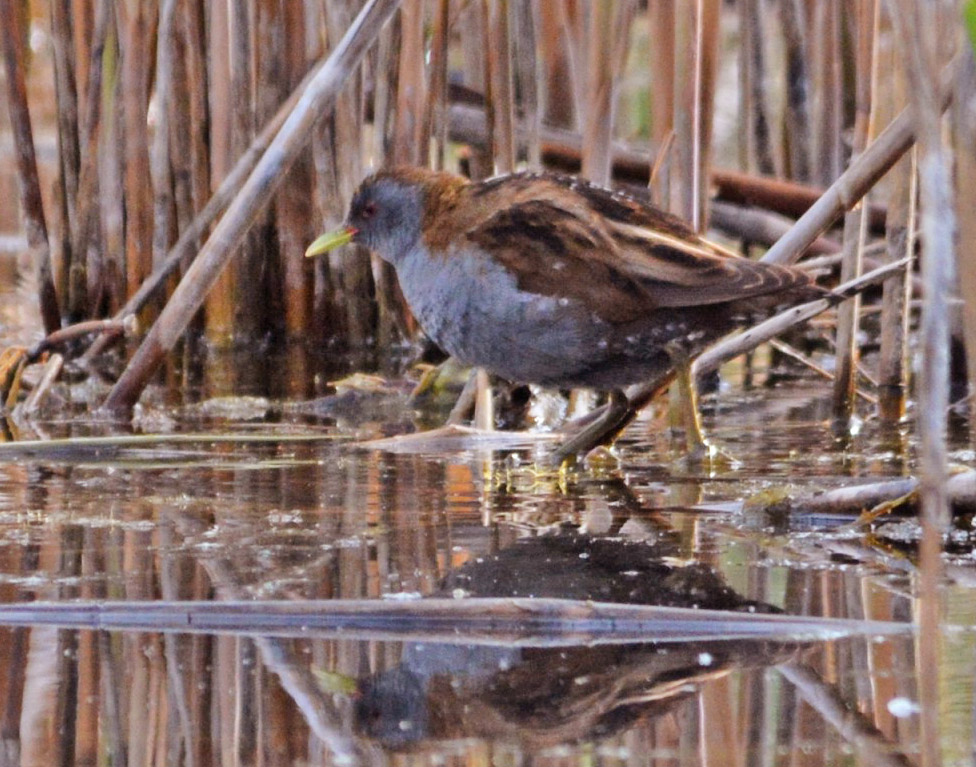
{"points": [[52, 369], [110, 328], [960, 489]]}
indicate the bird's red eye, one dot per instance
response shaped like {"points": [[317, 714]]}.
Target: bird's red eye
{"points": [[369, 210]]}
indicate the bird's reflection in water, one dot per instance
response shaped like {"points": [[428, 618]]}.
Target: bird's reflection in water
{"points": [[548, 695]]}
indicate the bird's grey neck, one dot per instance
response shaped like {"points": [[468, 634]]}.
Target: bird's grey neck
{"points": [[398, 247]]}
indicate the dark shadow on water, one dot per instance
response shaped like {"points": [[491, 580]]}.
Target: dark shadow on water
{"points": [[544, 697]]}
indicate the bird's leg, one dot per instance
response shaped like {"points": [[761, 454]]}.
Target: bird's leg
{"points": [[615, 416], [597, 427], [700, 450], [695, 441], [465, 402], [484, 406], [698, 447]]}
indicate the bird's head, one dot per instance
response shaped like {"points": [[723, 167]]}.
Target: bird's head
{"points": [[388, 212]]}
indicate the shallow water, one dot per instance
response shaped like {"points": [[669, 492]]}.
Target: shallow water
{"points": [[250, 500]]}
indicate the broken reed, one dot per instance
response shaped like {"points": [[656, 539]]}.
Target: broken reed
{"points": [[138, 190]]}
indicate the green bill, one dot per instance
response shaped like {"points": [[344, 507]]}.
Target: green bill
{"points": [[330, 240]]}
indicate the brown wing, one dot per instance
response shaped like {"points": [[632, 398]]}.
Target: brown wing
{"points": [[600, 248]]}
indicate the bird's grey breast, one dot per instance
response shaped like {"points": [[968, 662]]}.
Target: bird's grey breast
{"points": [[459, 298], [472, 307]]}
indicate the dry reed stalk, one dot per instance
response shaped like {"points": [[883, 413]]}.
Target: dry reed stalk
{"points": [[246, 303], [183, 251], [555, 92], [181, 130], [62, 39], [71, 333], [530, 79], [271, 85], [488, 88], [218, 91], [855, 221], [409, 129], [853, 183], [696, 44], [600, 81], [241, 52], [661, 21], [797, 115], [293, 204], [219, 314], [964, 135], [110, 290], [755, 150], [159, 157], [503, 90], [88, 266], [269, 64], [436, 117], [192, 29], [350, 268], [135, 46], [389, 306], [828, 92], [573, 41], [384, 81], [502, 98], [81, 14], [31, 205], [622, 34], [893, 367], [471, 31], [285, 147], [328, 310], [686, 107], [707, 66], [924, 43]]}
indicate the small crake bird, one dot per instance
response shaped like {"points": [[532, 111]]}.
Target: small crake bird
{"points": [[547, 279]]}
